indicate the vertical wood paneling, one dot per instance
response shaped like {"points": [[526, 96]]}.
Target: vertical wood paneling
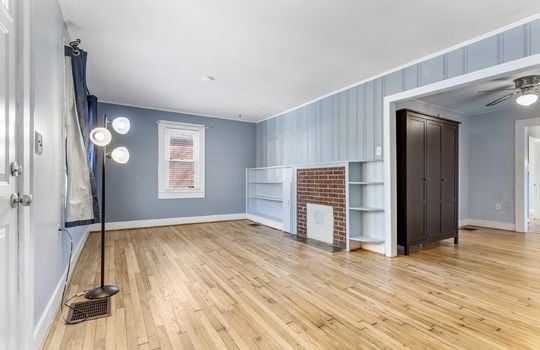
{"points": [[300, 129], [483, 54], [327, 131], [343, 110], [336, 145], [393, 83], [514, 44], [378, 115], [313, 140], [319, 114], [272, 142], [360, 120], [410, 77], [534, 37], [454, 63], [369, 152], [348, 125], [352, 146], [259, 141], [431, 70]]}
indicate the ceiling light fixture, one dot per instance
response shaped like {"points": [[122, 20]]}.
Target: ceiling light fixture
{"points": [[527, 99], [207, 78]]}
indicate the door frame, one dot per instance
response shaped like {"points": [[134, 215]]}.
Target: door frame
{"points": [[521, 188], [531, 169], [389, 134], [25, 302]]}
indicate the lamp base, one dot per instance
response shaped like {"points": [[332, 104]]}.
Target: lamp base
{"points": [[102, 292]]}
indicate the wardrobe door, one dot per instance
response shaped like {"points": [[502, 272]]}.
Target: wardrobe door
{"points": [[449, 178], [415, 173], [433, 179]]}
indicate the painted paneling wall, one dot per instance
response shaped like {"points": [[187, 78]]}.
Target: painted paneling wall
{"points": [[349, 125], [492, 163], [132, 189]]}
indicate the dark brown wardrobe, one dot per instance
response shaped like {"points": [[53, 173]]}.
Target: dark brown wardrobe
{"points": [[427, 178]]}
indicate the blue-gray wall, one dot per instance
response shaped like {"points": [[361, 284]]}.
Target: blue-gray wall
{"points": [[132, 189], [348, 125], [492, 162], [50, 247]]}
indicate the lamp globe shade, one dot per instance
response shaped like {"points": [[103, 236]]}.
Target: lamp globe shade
{"points": [[121, 125], [120, 155], [527, 99], [100, 136]]}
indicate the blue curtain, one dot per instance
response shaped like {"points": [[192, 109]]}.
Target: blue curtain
{"points": [[86, 107]]}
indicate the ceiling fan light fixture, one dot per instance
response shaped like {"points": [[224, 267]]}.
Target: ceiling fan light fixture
{"points": [[527, 99]]}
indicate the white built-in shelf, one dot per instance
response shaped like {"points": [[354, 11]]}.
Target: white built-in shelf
{"points": [[269, 217], [266, 182], [266, 198], [367, 209], [366, 183], [366, 239]]}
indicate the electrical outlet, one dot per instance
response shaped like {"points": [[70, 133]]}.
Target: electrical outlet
{"points": [[498, 207], [378, 151]]}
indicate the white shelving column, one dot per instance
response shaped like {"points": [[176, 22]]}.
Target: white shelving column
{"points": [[365, 200], [268, 196]]}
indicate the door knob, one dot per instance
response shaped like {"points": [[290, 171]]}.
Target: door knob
{"points": [[17, 199]]}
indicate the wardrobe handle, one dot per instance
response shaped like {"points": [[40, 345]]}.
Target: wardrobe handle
{"points": [[427, 179], [443, 179]]}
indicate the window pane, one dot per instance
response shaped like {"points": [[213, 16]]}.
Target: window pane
{"points": [[181, 146], [181, 174]]}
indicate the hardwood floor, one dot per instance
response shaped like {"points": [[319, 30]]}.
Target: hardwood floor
{"points": [[534, 226], [231, 285]]}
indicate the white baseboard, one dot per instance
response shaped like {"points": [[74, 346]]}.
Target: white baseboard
{"points": [[267, 222], [499, 225], [119, 225], [42, 327]]}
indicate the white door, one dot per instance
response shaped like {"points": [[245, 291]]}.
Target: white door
{"points": [[8, 214], [532, 179]]}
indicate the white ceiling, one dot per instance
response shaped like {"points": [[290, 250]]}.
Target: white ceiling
{"points": [[266, 56], [470, 100]]}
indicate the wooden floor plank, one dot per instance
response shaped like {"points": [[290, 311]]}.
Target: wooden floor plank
{"points": [[229, 285]]}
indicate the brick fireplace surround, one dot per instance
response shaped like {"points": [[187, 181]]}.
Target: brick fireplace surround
{"points": [[324, 186]]}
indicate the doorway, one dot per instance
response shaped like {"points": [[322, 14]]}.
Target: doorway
{"points": [[533, 179], [505, 218]]}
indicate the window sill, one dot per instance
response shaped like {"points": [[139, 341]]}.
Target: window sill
{"points": [[181, 194]]}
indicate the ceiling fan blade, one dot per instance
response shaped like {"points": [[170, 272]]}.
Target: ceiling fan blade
{"points": [[495, 90], [499, 100]]}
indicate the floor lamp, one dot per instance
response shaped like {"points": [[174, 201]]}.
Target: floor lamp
{"points": [[102, 137]]}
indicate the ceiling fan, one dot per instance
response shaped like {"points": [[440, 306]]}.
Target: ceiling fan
{"points": [[526, 87]]}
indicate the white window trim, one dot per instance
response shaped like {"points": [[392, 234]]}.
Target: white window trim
{"points": [[163, 191]]}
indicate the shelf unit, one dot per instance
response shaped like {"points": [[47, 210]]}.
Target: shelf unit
{"points": [[365, 202], [268, 196]]}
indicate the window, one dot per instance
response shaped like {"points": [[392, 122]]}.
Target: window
{"points": [[181, 160]]}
